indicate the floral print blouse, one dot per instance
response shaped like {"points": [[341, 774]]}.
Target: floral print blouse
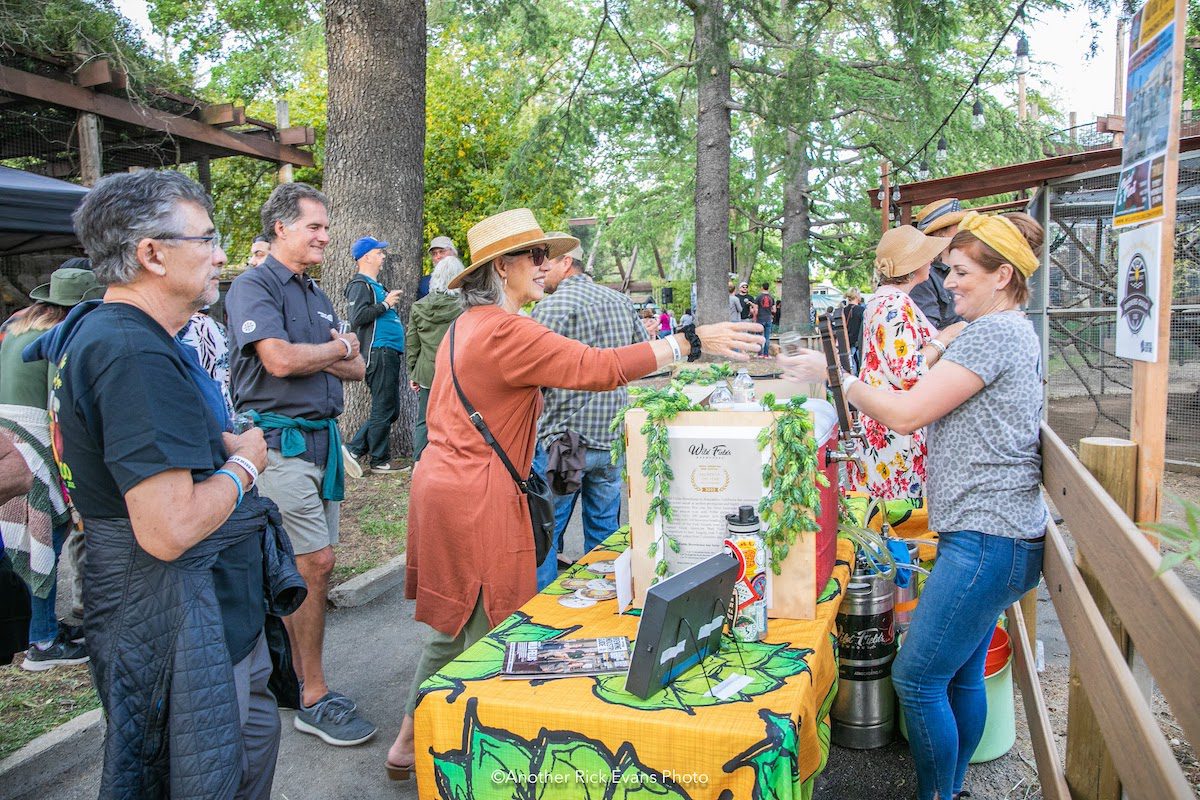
{"points": [[894, 331]]}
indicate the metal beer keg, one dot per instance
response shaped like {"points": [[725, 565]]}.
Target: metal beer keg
{"points": [[864, 710], [906, 597]]}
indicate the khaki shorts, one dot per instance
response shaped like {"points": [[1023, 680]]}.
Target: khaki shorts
{"points": [[295, 486]]}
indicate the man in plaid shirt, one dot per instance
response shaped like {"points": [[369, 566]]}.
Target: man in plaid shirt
{"points": [[578, 308]]}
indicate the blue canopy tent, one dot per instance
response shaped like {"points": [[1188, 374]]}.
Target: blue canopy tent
{"points": [[35, 212]]}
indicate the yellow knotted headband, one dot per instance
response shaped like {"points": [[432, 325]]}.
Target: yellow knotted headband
{"points": [[1003, 237]]}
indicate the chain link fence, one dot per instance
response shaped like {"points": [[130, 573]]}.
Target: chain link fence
{"points": [[1089, 389]]}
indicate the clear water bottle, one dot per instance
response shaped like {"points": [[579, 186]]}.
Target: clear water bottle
{"points": [[743, 387], [721, 399]]}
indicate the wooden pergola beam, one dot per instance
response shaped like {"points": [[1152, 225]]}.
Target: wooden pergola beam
{"points": [[57, 93], [1012, 178]]}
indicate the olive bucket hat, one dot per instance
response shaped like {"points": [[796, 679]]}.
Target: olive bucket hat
{"points": [[68, 286]]}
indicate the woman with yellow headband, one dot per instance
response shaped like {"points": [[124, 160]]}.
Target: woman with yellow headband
{"points": [[982, 407]]}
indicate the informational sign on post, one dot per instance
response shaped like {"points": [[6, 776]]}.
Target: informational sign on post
{"points": [[1149, 87], [1139, 253]]}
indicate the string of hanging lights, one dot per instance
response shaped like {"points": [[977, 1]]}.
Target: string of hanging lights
{"points": [[941, 153]]}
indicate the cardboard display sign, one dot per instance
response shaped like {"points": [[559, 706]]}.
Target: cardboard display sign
{"points": [[717, 467]]}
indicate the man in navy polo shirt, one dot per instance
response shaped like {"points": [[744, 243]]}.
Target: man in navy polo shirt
{"points": [[372, 312], [287, 362]]}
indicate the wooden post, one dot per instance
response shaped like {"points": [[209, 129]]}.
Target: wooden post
{"points": [[1149, 419], [1119, 81], [91, 161], [204, 173], [886, 200], [1090, 770], [281, 122]]}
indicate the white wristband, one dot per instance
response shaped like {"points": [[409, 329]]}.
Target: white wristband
{"points": [[349, 349], [676, 352], [941, 348], [848, 380], [247, 465]]}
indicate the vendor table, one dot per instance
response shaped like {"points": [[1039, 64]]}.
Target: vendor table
{"points": [[480, 736]]}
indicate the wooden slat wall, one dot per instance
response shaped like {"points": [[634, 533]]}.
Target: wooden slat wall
{"points": [[1161, 615]]}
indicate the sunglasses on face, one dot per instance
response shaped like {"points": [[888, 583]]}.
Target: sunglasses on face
{"points": [[538, 254]]}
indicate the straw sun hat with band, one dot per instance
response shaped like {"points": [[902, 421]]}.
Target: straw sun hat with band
{"points": [[508, 233], [904, 250], [939, 215]]}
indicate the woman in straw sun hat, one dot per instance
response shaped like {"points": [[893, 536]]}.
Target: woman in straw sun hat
{"points": [[983, 406], [899, 346], [471, 564]]}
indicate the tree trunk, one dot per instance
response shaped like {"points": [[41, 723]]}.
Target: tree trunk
{"points": [[797, 287], [712, 162], [374, 161]]}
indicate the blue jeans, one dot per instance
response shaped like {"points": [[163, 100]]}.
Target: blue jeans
{"points": [[938, 673], [601, 492], [43, 619], [766, 334]]}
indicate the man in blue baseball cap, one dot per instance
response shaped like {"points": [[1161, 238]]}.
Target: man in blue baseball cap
{"points": [[372, 313]]}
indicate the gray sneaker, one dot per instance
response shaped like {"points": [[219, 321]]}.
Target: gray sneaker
{"points": [[335, 720]]}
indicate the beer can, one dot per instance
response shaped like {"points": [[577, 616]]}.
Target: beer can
{"points": [[750, 590]]}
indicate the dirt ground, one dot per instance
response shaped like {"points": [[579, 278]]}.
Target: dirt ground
{"points": [[374, 524]]}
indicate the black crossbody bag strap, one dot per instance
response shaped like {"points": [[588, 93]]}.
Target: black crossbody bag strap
{"points": [[477, 420]]}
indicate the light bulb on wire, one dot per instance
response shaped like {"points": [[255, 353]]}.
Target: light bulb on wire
{"points": [[1022, 65], [977, 119], [942, 149]]}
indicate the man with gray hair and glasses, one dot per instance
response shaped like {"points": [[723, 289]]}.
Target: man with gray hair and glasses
{"points": [[287, 362], [187, 565]]}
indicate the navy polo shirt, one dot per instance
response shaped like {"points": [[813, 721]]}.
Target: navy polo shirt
{"points": [[272, 302], [129, 408]]}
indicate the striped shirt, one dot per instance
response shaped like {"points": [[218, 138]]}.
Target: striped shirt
{"points": [[599, 317]]}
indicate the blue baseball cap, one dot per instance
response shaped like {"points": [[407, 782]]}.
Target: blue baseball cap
{"points": [[365, 245]]}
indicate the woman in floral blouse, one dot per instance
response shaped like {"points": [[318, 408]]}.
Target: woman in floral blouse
{"points": [[899, 346]]}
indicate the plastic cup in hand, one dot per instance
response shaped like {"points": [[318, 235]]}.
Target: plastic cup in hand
{"points": [[343, 327], [791, 343], [241, 423]]}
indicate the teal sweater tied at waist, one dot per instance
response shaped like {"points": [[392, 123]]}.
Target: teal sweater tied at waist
{"points": [[291, 444]]}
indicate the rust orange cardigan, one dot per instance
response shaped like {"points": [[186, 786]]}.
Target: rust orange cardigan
{"points": [[468, 523]]}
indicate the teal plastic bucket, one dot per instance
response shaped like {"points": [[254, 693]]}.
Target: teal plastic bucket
{"points": [[1000, 728]]}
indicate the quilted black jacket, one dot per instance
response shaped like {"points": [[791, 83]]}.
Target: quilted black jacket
{"points": [[159, 659]]}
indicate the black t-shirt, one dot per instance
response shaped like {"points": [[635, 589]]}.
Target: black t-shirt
{"points": [[127, 409], [745, 302], [766, 305]]}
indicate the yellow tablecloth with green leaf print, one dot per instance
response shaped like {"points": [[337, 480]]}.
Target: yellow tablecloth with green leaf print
{"points": [[481, 737]]}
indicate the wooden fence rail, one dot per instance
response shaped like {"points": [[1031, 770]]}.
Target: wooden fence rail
{"points": [[1160, 614]]}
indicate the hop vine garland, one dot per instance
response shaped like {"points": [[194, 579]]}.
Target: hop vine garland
{"points": [[791, 476]]}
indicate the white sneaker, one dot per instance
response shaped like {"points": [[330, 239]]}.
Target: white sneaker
{"points": [[350, 463]]}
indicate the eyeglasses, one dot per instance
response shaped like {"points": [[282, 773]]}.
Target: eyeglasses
{"points": [[212, 239], [538, 254]]}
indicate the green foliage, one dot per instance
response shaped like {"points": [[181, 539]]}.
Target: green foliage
{"points": [[76, 30], [1181, 541], [792, 501]]}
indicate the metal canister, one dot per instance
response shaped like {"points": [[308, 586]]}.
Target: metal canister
{"points": [[864, 710], [750, 592], [906, 596]]}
